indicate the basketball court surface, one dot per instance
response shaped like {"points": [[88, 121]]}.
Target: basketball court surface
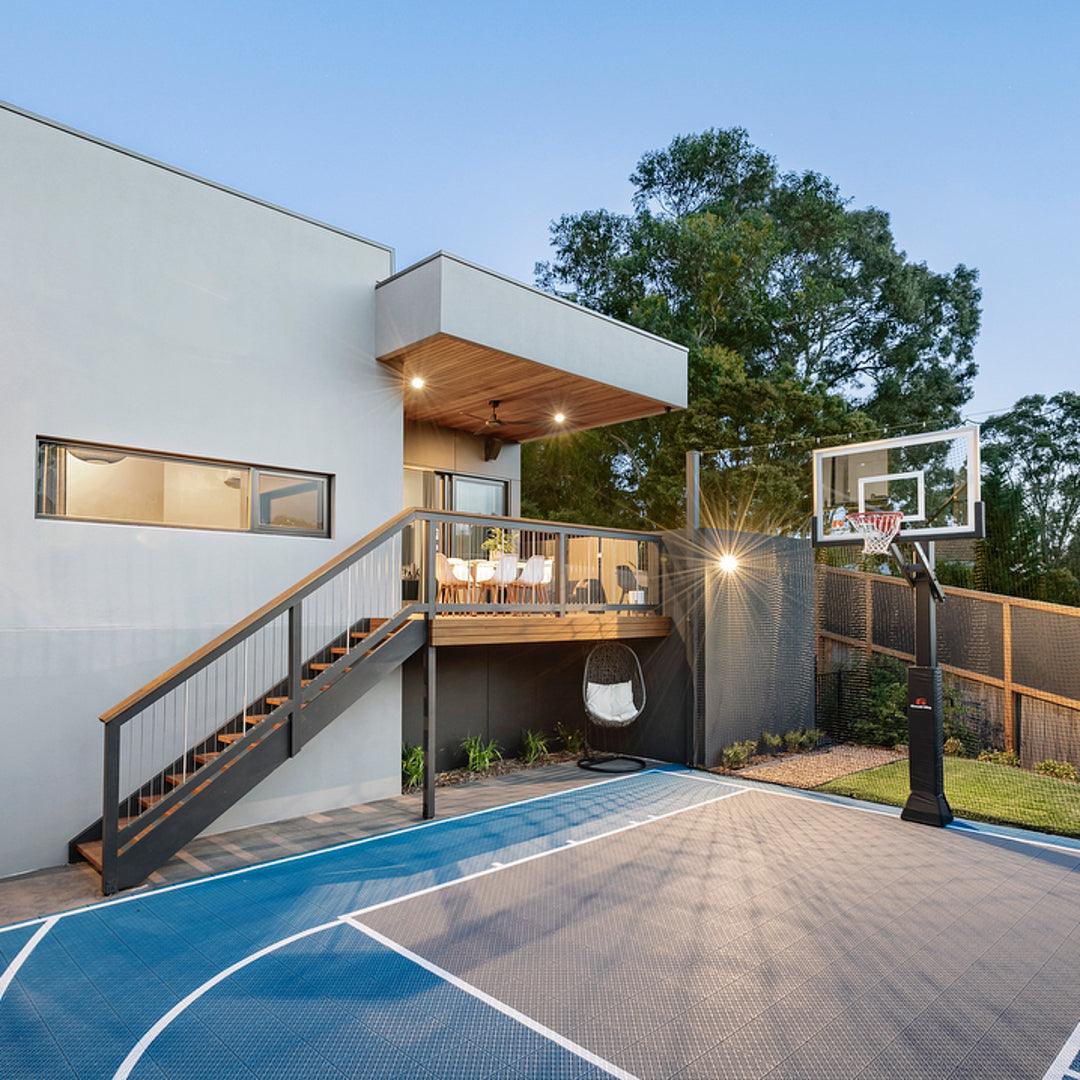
{"points": [[666, 923]]}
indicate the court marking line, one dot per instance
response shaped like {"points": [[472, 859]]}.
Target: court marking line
{"points": [[143, 893], [570, 845], [964, 826], [167, 1018], [23, 954], [507, 1010], [1068, 1060], [140, 1048]]}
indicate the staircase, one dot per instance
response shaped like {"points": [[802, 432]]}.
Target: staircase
{"points": [[191, 743]]}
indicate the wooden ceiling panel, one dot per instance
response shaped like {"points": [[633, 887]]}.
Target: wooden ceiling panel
{"points": [[461, 377]]}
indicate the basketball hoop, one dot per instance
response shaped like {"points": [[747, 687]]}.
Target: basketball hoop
{"points": [[878, 529]]}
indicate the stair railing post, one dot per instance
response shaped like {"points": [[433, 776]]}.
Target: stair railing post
{"points": [[110, 812], [430, 584], [296, 660], [430, 699]]}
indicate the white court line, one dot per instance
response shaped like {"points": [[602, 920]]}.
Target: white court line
{"points": [[495, 1003], [143, 1044], [140, 1047], [1070, 1052], [20, 958], [142, 894], [570, 845]]}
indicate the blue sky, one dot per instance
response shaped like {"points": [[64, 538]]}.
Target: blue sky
{"points": [[470, 126]]}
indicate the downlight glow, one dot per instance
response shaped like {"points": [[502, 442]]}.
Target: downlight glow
{"points": [[728, 563], [416, 382], [559, 418]]}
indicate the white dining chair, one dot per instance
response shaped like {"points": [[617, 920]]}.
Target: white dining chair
{"points": [[452, 584], [506, 574], [530, 579]]}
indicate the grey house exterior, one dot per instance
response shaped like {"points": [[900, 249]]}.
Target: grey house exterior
{"points": [[150, 311]]}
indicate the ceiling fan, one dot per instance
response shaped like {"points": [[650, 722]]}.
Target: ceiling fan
{"points": [[493, 423]]}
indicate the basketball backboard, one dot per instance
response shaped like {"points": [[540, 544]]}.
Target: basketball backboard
{"points": [[932, 478]]}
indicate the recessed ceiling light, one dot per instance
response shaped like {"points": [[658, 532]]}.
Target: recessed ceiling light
{"points": [[417, 382], [559, 417], [729, 563]]}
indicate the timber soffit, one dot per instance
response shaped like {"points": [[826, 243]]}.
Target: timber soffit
{"points": [[49, 122]]}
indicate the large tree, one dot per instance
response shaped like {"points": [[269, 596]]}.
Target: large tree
{"points": [[1031, 465], [803, 320]]}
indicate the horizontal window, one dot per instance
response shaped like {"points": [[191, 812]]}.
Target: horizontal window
{"points": [[86, 482]]}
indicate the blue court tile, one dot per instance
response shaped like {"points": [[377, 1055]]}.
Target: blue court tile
{"points": [[27, 1046]]}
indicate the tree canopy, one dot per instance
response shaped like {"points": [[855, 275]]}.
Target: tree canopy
{"points": [[803, 319]]}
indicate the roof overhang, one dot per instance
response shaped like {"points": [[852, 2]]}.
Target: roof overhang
{"points": [[474, 336]]}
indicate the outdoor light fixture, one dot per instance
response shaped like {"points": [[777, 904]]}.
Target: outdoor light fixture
{"points": [[416, 382], [729, 563], [559, 417]]}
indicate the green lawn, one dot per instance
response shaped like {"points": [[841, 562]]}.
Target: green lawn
{"points": [[980, 791]]}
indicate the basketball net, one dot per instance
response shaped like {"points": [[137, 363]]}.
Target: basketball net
{"points": [[878, 529]]}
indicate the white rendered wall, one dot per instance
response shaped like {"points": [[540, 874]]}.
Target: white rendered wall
{"points": [[146, 309]]}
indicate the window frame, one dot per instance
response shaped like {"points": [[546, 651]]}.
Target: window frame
{"points": [[252, 524], [257, 472]]}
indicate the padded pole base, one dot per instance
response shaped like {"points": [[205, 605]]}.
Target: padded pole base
{"points": [[926, 808]]}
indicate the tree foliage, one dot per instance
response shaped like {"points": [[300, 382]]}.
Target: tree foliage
{"points": [[803, 320], [1031, 487]]}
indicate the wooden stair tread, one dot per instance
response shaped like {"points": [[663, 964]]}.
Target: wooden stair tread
{"points": [[90, 850], [339, 650], [230, 737], [320, 666], [276, 701], [254, 718], [146, 801], [209, 756], [359, 635]]}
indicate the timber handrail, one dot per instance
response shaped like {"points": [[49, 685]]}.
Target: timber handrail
{"points": [[207, 653]]}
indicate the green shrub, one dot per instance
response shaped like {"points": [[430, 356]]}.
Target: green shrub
{"points": [[572, 739], [1000, 757], [1063, 770], [771, 742], [481, 755], [412, 766], [954, 747], [738, 754], [535, 744], [811, 739]]}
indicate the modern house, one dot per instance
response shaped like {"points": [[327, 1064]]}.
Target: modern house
{"points": [[207, 399]]}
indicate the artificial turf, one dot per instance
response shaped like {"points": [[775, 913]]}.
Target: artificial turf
{"points": [[979, 790]]}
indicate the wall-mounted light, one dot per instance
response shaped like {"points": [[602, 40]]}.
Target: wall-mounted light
{"points": [[559, 418], [417, 382], [728, 563]]}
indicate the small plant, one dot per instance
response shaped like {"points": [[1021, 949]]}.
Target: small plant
{"points": [[481, 755], [738, 754], [771, 742], [954, 747], [573, 739], [500, 541], [412, 766], [793, 741], [536, 745], [1063, 770], [1000, 757], [810, 739]]}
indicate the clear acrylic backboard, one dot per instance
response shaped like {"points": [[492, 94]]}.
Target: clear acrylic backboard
{"points": [[931, 478]]}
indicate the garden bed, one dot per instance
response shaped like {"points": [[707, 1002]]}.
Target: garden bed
{"points": [[980, 790], [810, 770]]}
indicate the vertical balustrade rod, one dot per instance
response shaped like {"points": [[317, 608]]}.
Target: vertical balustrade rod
{"points": [[296, 659], [562, 573]]}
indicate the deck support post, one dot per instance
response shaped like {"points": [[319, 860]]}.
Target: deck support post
{"points": [[430, 699]]}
